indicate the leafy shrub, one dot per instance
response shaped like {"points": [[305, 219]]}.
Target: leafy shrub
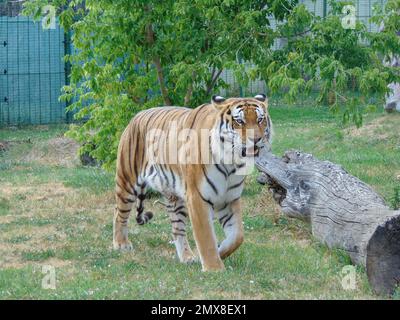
{"points": [[134, 55], [395, 200]]}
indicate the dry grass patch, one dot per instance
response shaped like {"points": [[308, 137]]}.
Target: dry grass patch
{"points": [[378, 128], [4, 145], [17, 244], [38, 192], [265, 205], [59, 151]]}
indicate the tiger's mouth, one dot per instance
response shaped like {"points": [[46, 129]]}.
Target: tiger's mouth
{"points": [[252, 151]]}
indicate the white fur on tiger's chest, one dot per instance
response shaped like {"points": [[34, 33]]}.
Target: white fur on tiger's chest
{"points": [[221, 185]]}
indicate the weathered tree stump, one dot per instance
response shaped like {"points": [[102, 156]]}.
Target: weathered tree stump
{"points": [[344, 212]]}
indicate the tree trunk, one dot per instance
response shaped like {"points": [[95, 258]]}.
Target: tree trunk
{"points": [[160, 76], [150, 37], [343, 211], [189, 92]]}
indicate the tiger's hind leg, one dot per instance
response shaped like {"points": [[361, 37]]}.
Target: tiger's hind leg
{"points": [[178, 213], [124, 199]]}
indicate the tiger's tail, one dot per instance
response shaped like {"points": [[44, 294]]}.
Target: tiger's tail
{"points": [[141, 216]]}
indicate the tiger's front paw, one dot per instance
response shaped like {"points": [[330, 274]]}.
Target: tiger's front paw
{"points": [[218, 266], [123, 245], [188, 257]]}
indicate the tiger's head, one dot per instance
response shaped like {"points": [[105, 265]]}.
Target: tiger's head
{"points": [[244, 126]]}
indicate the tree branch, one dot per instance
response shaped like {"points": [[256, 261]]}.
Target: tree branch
{"points": [[214, 78]]}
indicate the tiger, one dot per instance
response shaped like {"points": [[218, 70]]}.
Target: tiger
{"points": [[197, 190]]}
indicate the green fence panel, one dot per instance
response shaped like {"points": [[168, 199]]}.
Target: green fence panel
{"points": [[31, 72]]}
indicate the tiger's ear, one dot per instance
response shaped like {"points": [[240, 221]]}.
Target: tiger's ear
{"points": [[261, 97], [217, 101]]}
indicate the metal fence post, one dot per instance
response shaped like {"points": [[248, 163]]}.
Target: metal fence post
{"points": [[67, 71], [240, 85]]}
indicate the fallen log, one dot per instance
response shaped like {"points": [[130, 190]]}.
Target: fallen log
{"points": [[344, 212]]}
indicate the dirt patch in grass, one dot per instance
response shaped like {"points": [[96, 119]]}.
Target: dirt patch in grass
{"points": [[12, 262], [374, 128], [29, 245], [4, 146], [59, 151], [15, 262], [6, 219], [38, 192], [58, 263], [36, 238], [266, 205], [49, 191]]}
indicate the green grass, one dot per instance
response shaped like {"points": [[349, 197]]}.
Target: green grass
{"points": [[4, 206], [33, 133], [51, 214], [19, 239], [37, 255]]}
